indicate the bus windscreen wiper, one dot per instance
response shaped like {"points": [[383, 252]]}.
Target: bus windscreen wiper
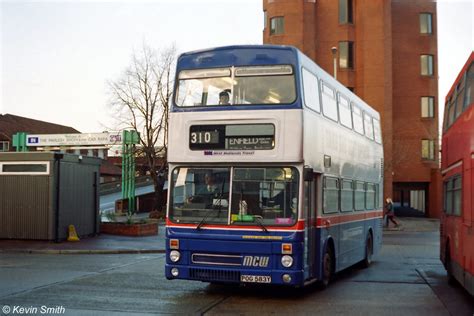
{"points": [[219, 208], [260, 223], [204, 219]]}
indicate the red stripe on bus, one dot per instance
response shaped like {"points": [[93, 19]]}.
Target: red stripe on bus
{"points": [[298, 226], [347, 218]]}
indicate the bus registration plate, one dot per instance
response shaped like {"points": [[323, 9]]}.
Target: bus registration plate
{"points": [[256, 278]]}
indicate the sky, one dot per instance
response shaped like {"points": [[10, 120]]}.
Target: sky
{"points": [[57, 56]]}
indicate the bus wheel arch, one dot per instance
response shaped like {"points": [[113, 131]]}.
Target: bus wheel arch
{"points": [[328, 264], [369, 249]]}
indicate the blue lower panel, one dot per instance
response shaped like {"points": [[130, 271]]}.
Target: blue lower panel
{"points": [[209, 274]]}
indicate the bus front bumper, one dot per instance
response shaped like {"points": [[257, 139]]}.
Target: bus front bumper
{"points": [[228, 275]]}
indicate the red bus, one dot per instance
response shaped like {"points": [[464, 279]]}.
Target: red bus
{"points": [[457, 220]]}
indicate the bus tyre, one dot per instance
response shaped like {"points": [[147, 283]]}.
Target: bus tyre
{"points": [[328, 268], [369, 250]]}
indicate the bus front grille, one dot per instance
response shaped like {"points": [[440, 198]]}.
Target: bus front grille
{"points": [[214, 275], [216, 259]]}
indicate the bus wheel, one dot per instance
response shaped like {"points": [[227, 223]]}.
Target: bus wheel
{"points": [[369, 250], [328, 268]]}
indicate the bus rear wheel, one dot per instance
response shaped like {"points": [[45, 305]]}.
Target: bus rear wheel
{"points": [[369, 251], [328, 268]]}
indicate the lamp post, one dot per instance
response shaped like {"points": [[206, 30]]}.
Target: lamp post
{"points": [[334, 56]]}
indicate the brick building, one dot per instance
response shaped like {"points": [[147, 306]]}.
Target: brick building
{"points": [[387, 55]]}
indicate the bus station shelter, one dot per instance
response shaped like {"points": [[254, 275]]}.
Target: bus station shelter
{"points": [[42, 193]]}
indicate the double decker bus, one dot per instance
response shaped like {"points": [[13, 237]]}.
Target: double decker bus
{"points": [[275, 170], [457, 169]]}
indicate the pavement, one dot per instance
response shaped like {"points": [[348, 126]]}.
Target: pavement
{"points": [[112, 244], [414, 224]]}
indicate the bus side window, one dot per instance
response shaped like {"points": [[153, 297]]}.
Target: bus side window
{"points": [[377, 132], [457, 196], [311, 91], [459, 98], [347, 196], [359, 196], [328, 98], [469, 86], [357, 117], [377, 200], [448, 197], [446, 115], [369, 127], [452, 107], [331, 195], [370, 196], [345, 111]]}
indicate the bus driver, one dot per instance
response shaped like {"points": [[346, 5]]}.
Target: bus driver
{"points": [[207, 192], [224, 98]]}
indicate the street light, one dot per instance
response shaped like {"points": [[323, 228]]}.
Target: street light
{"points": [[334, 56]]}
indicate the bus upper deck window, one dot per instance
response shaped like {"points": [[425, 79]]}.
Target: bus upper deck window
{"points": [[247, 85]]}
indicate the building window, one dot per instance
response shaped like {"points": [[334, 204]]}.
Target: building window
{"points": [[426, 65], [346, 55], [277, 25], [426, 25], [427, 107], [345, 11], [4, 146], [427, 149], [24, 167]]}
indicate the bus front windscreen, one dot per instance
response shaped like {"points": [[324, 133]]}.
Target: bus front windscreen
{"points": [[256, 197], [253, 85]]}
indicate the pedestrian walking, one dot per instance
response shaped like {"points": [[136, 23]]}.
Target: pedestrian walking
{"points": [[390, 213]]}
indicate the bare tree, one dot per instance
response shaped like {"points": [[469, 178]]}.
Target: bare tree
{"points": [[140, 101]]}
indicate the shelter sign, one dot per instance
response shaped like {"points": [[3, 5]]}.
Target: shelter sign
{"points": [[87, 139]]}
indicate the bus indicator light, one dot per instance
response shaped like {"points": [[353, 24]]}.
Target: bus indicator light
{"points": [[174, 244], [286, 249]]}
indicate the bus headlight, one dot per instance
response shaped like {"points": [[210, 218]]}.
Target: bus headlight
{"points": [[175, 272], [287, 261], [175, 255]]}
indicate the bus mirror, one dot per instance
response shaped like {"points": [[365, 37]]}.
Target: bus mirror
{"points": [[308, 174]]}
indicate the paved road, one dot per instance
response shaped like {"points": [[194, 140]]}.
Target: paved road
{"points": [[406, 279]]}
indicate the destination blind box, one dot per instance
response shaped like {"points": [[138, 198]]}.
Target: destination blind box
{"points": [[232, 137]]}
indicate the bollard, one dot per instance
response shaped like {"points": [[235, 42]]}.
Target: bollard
{"points": [[72, 235]]}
